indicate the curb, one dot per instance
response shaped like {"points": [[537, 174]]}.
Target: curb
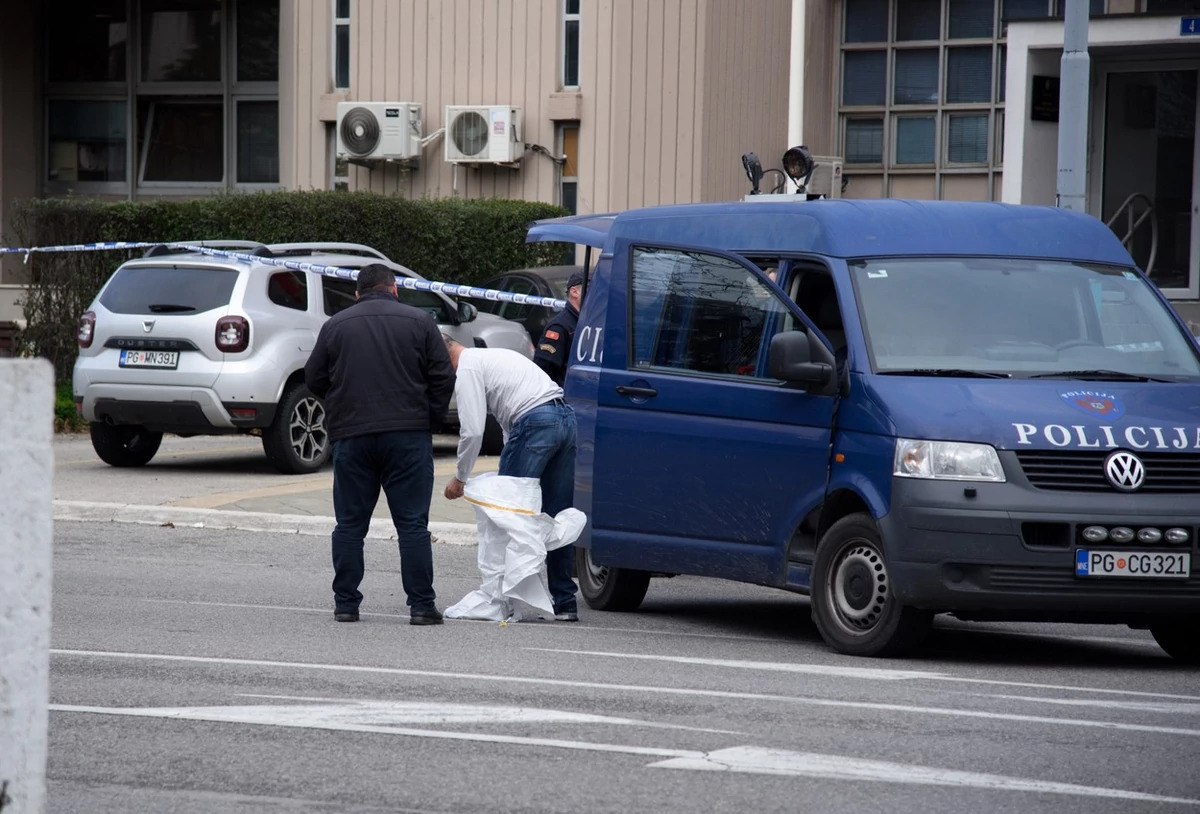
{"points": [[315, 525]]}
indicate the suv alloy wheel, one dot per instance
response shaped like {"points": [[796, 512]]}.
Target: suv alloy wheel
{"points": [[297, 442]]}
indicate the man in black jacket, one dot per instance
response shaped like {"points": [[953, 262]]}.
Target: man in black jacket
{"points": [[384, 373]]}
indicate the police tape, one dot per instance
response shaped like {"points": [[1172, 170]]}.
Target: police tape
{"points": [[418, 284]]}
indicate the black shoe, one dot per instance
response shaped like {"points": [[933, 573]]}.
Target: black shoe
{"points": [[425, 617], [566, 616], [345, 616]]}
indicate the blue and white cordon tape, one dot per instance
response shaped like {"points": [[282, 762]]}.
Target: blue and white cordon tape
{"points": [[451, 289]]}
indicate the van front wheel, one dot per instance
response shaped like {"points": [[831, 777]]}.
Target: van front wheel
{"points": [[853, 602], [609, 589]]}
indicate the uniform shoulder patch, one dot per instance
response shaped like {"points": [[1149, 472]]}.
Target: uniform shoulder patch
{"points": [[552, 334], [546, 346]]}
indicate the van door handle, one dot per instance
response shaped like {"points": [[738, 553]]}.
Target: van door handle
{"points": [[637, 392]]}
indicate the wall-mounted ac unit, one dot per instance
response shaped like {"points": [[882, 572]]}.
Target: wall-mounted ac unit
{"points": [[478, 134], [379, 130], [827, 176]]}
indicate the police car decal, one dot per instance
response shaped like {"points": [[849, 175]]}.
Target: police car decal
{"points": [[1094, 402], [1105, 437]]}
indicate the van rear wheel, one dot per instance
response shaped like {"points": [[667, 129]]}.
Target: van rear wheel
{"points": [[853, 602], [609, 589], [124, 444], [1179, 639]]}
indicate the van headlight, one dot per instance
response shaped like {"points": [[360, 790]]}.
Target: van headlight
{"points": [[947, 460]]}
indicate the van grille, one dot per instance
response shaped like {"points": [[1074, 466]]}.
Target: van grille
{"points": [[1039, 579], [1083, 471]]}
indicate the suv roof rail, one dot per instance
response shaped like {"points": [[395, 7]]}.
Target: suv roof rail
{"points": [[285, 249], [164, 248]]}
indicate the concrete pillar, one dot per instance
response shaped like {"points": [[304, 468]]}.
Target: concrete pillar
{"points": [[26, 509]]}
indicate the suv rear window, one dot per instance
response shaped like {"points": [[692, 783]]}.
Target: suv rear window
{"points": [[168, 289]]}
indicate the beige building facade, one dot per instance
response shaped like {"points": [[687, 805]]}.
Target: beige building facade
{"points": [[660, 103], [619, 103]]}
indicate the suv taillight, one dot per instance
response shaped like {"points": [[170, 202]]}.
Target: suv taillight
{"points": [[86, 331], [233, 334]]}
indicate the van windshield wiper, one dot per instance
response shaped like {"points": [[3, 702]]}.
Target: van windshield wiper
{"points": [[952, 372], [1100, 375], [169, 308]]}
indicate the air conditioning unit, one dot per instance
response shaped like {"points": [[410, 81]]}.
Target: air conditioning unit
{"points": [[379, 130], [483, 134], [827, 176]]}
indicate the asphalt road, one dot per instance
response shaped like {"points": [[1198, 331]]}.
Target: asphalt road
{"points": [[197, 670]]}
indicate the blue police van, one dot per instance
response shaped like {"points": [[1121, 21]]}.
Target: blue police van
{"points": [[898, 408]]}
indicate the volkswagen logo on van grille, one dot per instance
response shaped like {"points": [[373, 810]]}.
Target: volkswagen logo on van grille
{"points": [[1125, 471]]}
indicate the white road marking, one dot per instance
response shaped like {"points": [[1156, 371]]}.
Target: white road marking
{"points": [[678, 691], [574, 628], [870, 673], [757, 760], [1165, 707], [333, 713], [214, 714], [430, 713], [744, 759]]}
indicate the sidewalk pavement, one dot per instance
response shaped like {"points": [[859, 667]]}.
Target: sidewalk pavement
{"points": [[225, 482]]}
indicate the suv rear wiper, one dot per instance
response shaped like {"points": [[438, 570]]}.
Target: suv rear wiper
{"points": [[169, 308], [1099, 375], [953, 372]]}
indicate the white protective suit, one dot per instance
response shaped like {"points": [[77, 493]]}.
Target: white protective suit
{"points": [[514, 536]]}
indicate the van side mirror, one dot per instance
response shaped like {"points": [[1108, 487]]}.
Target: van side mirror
{"points": [[791, 358], [467, 312]]}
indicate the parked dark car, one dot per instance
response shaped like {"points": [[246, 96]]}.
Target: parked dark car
{"points": [[544, 281]]}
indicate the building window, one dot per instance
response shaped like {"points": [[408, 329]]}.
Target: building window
{"points": [[864, 141], [341, 44], [93, 47], [922, 93], [180, 41], [914, 139], [198, 112], [568, 148], [87, 141], [570, 43]]}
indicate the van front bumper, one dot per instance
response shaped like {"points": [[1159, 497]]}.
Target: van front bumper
{"points": [[1007, 551]]}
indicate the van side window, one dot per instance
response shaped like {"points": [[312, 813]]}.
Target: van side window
{"points": [[703, 313]]}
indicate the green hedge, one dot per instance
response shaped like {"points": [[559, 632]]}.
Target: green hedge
{"points": [[453, 240]]}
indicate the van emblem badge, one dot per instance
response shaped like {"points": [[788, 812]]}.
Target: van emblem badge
{"points": [[1125, 471], [147, 325], [1094, 402]]}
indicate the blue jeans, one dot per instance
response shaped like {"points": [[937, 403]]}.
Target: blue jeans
{"points": [[541, 445], [402, 463]]}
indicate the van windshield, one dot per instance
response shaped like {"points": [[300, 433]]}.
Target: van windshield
{"points": [[1017, 317]]}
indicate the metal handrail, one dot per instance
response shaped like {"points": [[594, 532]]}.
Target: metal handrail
{"points": [[1131, 224]]}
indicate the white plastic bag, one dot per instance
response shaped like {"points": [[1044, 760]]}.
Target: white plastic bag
{"points": [[514, 536]]}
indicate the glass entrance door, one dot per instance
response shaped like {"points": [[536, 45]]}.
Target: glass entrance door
{"points": [[1150, 169]]}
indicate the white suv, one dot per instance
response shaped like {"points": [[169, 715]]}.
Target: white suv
{"points": [[186, 343]]}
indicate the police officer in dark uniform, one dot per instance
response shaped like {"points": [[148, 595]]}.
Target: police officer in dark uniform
{"points": [[554, 348]]}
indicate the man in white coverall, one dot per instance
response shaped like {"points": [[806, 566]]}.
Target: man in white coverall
{"points": [[539, 432]]}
